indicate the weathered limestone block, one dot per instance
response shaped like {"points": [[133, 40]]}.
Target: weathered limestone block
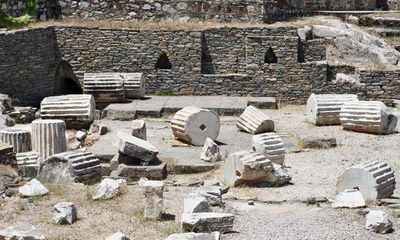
{"points": [[48, 137], [253, 169], [368, 117], [270, 145], [76, 166], [136, 147], [134, 84], [255, 121], [118, 236], [213, 194], [20, 139], [33, 188], [139, 129], [207, 222], [324, 109], [379, 222], [107, 189], [7, 155], [194, 236], [375, 180], [154, 199], [210, 151], [316, 142], [22, 232], [195, 203], [105, 87], [65, 213], [77, 110], [28, 164], [349, 198], [134, 173], [194, 125]]}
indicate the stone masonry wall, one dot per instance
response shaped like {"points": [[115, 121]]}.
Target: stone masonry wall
{"points": [[221, 10], [28, 64], [30, 59]]}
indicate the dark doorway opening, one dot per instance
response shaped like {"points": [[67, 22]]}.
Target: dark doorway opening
{"points": [[163, 62], [65, 80], [270, 56]]}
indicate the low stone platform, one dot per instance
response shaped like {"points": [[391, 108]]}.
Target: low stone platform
{"points": [[156, 106]]}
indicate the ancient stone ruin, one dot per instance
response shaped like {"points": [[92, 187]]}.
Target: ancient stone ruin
{"points": [[255, 121]]}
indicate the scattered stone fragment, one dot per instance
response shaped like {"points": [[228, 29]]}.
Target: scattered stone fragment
{"points": [[65, 213], [107, 189], [139, 129], [76, 110], [20, 139], [324, 109], [80, 136], [156, 171], [271, 145], [194, 236], [98, 128], [207, 222], [349, 198], [195, 203], [194, 125], [319, 142], [28, 164], [253, 169], [154, 199], [118, 236], [48, 137], [368, 117], [255, 121], [210, 151], [213, 194], [134, 84], [22, 232], [33, 188], [136, 147], [75, 166], [375, 180], [23, 115], [379, 222]]}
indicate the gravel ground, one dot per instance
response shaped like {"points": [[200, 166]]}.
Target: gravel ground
{"points": [[314, 174]]}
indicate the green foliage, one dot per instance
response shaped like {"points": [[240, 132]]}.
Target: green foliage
{"points": [[18, 22]]}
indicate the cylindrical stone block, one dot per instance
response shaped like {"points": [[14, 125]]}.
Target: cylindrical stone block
{"points": [[375, 180], [48, 137], [134, 84], [105, 87], [77, 110], [255, 121], [194, 125], [270, 145], [20, 139], [324, 109], [368, 117]]}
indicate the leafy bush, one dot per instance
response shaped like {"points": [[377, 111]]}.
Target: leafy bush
{"points": [[18, 22]]}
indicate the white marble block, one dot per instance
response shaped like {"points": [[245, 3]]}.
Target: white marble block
{"points": [[255, 121]]}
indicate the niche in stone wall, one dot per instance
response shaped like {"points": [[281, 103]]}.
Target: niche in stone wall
{"points": [[270, 56], [65, 80], [163, 62]]}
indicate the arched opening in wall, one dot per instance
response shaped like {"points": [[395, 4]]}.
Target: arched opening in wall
{"points": [[65, 80], [270, 56], [163, 62]]}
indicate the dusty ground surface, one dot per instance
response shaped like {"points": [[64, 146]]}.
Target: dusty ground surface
{"points": [[278, 215]]}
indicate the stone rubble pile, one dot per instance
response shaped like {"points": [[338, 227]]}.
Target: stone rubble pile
{"points": [[76, 110], [324, 109], [7, 155], [194, 125], [255, 121], [136, 158]]}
